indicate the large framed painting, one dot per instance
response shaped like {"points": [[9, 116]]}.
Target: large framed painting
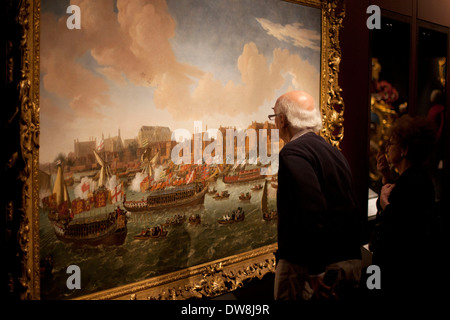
{"points": [[145, 163]]}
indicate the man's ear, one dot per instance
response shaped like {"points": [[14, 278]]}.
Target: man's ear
{"points": [[283, 121]]}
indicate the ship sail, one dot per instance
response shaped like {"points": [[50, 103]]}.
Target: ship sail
{"points": [[236, 165], [60, 189], [109, 230], [242, 165], [148, 168], [105, 171], [148, 164]]}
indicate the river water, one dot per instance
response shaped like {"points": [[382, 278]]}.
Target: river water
{"points": [[105, 267]]}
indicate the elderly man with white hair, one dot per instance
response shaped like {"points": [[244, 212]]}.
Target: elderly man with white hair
{"points": [[318, 219]]}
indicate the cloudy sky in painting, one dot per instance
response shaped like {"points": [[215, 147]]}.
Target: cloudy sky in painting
{"points": [[170, 63]]}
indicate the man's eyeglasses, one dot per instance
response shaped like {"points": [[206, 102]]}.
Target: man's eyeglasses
{"points": [[271, 116]]}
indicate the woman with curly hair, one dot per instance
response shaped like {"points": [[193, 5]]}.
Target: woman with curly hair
{"points": [[404, 250]]}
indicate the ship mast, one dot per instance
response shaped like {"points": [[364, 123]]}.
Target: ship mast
{"points": [[148, 166], [105, 171]]}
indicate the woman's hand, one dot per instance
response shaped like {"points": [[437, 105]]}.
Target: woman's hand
{"points": [[383, 167], [385, 193]]}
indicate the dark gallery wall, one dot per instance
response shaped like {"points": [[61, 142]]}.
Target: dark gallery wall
{"points": [[354, 82], [355, 74]]}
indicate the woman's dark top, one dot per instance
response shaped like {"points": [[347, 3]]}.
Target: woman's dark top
{"points": [[403, 248]]}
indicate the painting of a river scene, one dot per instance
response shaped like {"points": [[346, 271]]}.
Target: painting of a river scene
{"points": [[156, 153]]}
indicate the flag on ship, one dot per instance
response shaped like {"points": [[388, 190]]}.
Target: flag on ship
{"points": [[101, 145], [190, 177], [205, 173], [145, 183], [85, 187], [117, 193], [78, 206], [101, 198], [63, 207]]}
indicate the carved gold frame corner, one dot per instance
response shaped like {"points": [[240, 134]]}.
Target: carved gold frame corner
{"points": [[22, 155]]}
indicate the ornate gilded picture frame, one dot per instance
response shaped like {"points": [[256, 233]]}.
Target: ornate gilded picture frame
{"points": [[36, 82]]}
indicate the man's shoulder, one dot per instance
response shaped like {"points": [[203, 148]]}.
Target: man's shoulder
{"points": [[312, 148], [304, 143]]}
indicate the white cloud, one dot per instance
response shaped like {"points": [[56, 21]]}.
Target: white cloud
{"points": [[293, 33]]}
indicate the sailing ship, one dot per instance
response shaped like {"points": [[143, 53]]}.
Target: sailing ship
{"points": [[243, 176], [174, 187], [106, 229], [268, 215], [171, 197], [148, 164], [214, 175]]}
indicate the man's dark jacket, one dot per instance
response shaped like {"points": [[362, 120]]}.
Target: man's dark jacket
{"points": [[318, 218]]}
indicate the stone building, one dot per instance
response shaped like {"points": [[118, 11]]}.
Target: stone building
{"points": [[149, 134]]}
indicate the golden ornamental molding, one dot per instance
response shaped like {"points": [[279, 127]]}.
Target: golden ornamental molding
{"points": [[207, 280], [333, 13], [22, 124]]}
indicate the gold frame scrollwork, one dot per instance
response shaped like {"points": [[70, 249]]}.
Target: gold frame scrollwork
{"points": [[21, 130], [333, 13], [207, 280], [21, 168]]}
